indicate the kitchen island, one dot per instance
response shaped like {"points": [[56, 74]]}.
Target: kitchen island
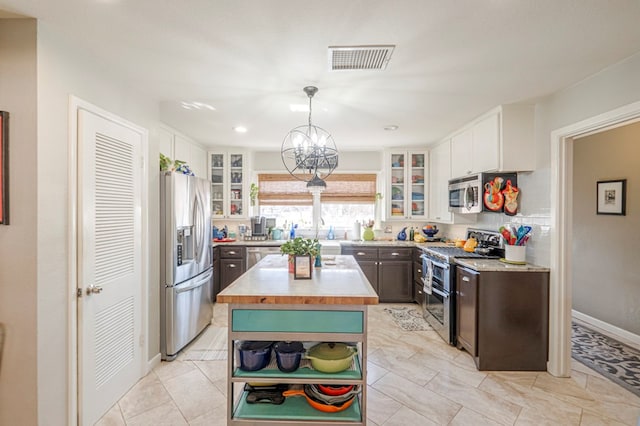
{"points": [[268, 304]]}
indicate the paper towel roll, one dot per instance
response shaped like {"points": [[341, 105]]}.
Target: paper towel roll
{"points": [[355, 232]]}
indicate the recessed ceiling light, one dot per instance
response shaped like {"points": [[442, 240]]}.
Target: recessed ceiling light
{"points": [[391, 127], [240, 129], [197, 105]]}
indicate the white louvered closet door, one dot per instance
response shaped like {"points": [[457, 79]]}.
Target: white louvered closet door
{"points": [[110, 263]]}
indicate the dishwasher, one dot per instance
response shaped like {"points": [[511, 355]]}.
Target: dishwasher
{"points": [[256, 253]]}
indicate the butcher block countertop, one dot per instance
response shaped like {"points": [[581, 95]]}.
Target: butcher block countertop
{"points": [[339, 281]]}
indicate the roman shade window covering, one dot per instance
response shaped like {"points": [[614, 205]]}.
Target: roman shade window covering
{"points": [[283, 189]]}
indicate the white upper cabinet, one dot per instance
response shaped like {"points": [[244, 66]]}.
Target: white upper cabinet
{"points": [[165, 142], [439, 175], [486, 144], [406, 185], [199, 161], [182, 149], [195, 157], [500, 140], [179, 147], [462, 151], [229, 176]]}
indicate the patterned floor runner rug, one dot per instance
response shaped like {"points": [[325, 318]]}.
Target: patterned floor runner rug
{"points": [[408, 319], [616, 361]]}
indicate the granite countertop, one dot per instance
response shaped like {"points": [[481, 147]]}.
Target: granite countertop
{"points": [[495, 265], [339, 281], [359, 243], [250, 243]]}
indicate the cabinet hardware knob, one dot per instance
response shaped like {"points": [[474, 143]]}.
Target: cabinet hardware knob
{"points": [[465, 279], [360, 253], [231, 265]]}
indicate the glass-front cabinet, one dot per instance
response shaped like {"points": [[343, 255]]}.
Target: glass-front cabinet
{"points": [[406, 186], [228, 184]]}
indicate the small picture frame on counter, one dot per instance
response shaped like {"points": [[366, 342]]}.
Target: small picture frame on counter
{"points": [[611, 197], [302, 267]]}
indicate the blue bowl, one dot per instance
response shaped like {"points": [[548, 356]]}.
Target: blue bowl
{"points": [[254, 355], [430, 232]]}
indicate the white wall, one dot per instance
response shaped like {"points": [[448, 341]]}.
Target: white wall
{"points": [[348, 161], [64, 69], [18, 285]]}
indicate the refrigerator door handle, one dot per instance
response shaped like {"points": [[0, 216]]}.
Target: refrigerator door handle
{"points": [[197, 284], [199, 227]]}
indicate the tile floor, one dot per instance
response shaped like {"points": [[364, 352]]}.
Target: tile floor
{"points": [[414, 378]]}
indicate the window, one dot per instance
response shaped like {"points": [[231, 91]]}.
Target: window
{"points": [[347, 198]]}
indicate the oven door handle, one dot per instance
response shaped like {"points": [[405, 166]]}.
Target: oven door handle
{"points": [[434, 262], [440, 293]]}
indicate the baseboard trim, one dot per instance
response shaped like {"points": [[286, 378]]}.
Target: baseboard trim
{"points": [[153, 362], [614, 331]]}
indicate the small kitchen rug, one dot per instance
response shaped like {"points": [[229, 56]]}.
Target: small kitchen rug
{"points": [[408, 319], [616, 361]]}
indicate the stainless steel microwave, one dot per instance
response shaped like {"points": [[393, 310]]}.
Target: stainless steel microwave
{"points": [[466, 193]]}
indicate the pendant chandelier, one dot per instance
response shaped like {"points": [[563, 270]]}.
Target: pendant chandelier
{"points": [[309, 152]]}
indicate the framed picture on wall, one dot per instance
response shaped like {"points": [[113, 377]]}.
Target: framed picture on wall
{"points": [[4, 168], [612, 197]]}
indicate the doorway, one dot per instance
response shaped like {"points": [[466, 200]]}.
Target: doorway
{"points": [[560, 301], [109, 257]]}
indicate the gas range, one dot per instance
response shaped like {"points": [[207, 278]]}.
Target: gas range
{"points": [[485, 238], [439, 279], [449, 254]]}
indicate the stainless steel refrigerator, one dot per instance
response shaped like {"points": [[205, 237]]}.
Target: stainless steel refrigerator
{"points": [[186, 264]]}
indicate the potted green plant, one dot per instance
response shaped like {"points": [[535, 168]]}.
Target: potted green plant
{"points": [[253, 193], [300, 246]]}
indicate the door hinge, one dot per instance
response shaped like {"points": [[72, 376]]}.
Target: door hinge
{"points": [[141, 340], [79, 292]]}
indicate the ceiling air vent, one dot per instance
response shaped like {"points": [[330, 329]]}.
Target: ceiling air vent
{"points": [[346, 58]]}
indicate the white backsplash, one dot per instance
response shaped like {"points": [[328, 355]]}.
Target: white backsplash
{"points": [[533, 211]]}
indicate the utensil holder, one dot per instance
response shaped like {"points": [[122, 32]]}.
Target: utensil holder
{"points": [[515, 253]]}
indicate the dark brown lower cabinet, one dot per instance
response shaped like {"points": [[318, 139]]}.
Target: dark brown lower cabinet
{"points": [[232, 264], [467, 309], [389, 270], [503, 318], [418, 285], [370, 269], [395, 281], [216, 272]]}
